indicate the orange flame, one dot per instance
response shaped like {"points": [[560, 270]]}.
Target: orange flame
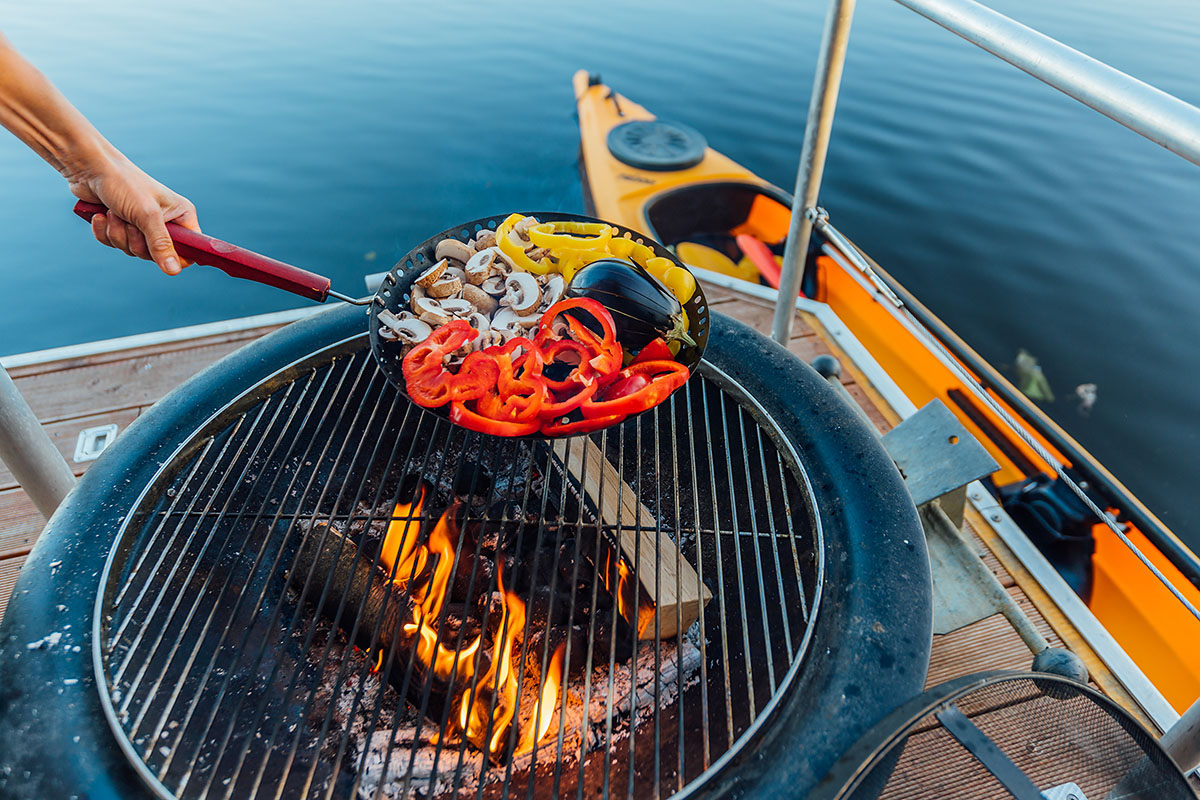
{"points": [[623, 591], [492, 700], [499, 681], [400, 544], [543, 711], [401, 549]]}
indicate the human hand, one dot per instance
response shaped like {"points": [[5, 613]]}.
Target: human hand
{"points": [[139, 209]]}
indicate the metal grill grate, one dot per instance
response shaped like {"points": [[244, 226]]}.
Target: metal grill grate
{"points": [[236, 667]]}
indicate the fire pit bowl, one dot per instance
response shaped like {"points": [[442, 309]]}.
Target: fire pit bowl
{"points": [[183, 627]]}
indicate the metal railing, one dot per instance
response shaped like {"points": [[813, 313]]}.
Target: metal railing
{"points": [[1150, 112], [28, 451]]}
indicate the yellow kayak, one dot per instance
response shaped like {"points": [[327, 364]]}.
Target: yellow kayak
{"points": [[664, 180]]}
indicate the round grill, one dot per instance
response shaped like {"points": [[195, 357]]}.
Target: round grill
{"points": [[246, 644]]}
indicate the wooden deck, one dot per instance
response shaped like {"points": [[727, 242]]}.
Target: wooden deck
{"points": [[115, 387]]}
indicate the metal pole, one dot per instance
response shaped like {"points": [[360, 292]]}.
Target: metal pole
{"points": [[817, 128], [34, 460], [1182, 740], [1158, 116]]}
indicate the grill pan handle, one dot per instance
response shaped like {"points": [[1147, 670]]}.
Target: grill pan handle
{"points": [[233, 260]]}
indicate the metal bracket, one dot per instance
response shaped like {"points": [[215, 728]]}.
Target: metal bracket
{"points": [[938, 458], [1065, 791], [92, 441]]}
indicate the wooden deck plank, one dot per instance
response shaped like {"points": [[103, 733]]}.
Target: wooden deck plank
{"points": [[9, 569], [110, 386], [233, 338], [20, 523], [65, 434]]}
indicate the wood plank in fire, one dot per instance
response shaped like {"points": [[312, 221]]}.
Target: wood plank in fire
{"points": [[671, 582]]}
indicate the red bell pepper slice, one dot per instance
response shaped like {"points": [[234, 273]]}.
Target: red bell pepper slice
{"points": [[582, 426], [427, 380], [559, 406], [601, 314], [515, 398], [461, 415], [478, 374], [582, 373], [657, 350], [606, 350], [665, 377], [620, 387]]}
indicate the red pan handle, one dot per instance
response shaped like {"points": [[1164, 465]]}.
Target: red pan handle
{"points": [[233, 260]]}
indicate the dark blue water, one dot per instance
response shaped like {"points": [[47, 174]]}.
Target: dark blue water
{"points": [[335, 137]]}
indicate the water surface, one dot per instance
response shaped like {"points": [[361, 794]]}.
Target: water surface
{"points": [[336, 136]]}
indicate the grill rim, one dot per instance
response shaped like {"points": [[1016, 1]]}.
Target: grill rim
{"points": [[264, 388], [43, 716]]}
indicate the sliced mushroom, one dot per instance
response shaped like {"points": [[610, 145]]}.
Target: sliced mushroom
{"points": [[522, 293], [505, 320], [457, 306], [520, 241], [454, 271], [481, 300], [410, 330], [503, 262], [429, 310], [481, 265], [445, 287], [431, 276], [435, 318], [523, 225], [538, 253], [418, 295], [553, 290], [559, 328], [453, 248], [501, 335], [494, 285], [485, 238]]}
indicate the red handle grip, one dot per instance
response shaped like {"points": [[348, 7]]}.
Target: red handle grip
{"points": [[233, 260]]}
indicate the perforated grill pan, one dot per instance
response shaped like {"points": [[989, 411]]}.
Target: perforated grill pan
{"points": [[395, 292]]}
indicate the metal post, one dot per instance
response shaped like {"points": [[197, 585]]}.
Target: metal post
{"points": [[34, 460], [1182, 741], [817, 128]]}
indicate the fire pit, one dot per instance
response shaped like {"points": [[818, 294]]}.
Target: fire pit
{"points": [[316, 589]]}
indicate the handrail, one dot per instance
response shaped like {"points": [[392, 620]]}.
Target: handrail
{"points": [[1160, 117]]}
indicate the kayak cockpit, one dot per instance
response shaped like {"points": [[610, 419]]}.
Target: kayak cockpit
{"points": [[732, 227]]}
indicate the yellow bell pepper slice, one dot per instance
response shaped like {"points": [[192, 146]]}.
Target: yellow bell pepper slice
{"points": [[621, 247], [516, 253], [658, 266], [569, 235], [681, 282]]}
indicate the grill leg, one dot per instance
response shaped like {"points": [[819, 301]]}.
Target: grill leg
{"points": [[34, 460]]}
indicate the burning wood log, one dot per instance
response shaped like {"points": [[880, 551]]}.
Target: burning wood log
{"points": [[357, 582], [672, 588]]}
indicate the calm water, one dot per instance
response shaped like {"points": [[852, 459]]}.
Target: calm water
{"points": [[335, 139]]}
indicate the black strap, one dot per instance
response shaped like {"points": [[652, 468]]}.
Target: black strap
{"points": [[987, 753]]}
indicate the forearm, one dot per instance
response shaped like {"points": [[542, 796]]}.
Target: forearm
{"points": [[37, 114]]}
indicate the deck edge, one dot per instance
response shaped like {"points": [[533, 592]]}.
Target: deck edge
{"points": [[156, 337]]}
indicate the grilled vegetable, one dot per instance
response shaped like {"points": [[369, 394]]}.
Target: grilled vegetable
{"points": [[642, 308]]}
